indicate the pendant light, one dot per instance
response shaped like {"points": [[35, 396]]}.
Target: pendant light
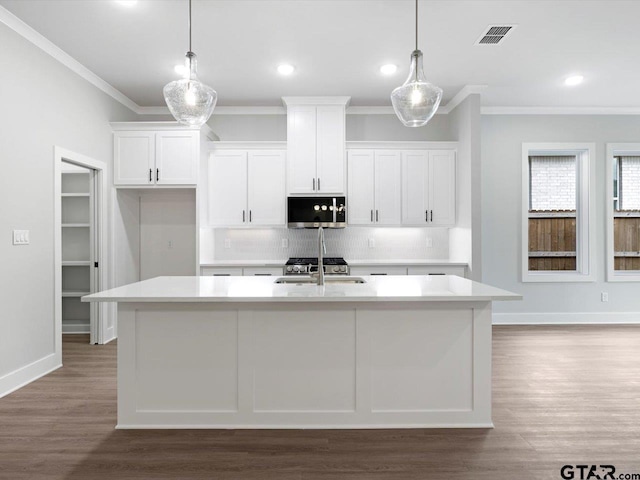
{"points": [[416, 100], [190, 101]]}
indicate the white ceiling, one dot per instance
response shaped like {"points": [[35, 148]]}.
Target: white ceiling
{"points": [[338, 46]]}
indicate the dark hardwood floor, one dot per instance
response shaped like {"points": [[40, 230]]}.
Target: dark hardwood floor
{"points": [[562, 395]]}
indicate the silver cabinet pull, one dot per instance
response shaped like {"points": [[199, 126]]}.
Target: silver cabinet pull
{"points": [[150, 175], [157, 174], [426, 215], [371, 216], [318, 184], [249, 215], [314, 184], [432, 215], [243, 216], [376, 215]]}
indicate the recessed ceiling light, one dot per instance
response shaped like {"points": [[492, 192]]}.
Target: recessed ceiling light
{"points": [[181, 69], [573, 80], [127, 3], [286, 69], [389, 69]]}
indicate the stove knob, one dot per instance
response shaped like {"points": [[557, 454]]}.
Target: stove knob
{"points": [[343, 269], [289, 268], [296, 268], [335, 269]]}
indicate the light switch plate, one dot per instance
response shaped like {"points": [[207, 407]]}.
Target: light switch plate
{"points": [[227, 243], [372, 243], [429, 242], [21, 237]]}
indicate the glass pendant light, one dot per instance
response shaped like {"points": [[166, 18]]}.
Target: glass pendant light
{"points": [[190, 101], [416, 100]]}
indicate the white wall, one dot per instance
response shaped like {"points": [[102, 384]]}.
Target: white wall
{"points": [[44, 104], [502, 138]]}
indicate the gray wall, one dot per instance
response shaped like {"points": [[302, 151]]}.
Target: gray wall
{"points": [[502, 138], [44, 104]]}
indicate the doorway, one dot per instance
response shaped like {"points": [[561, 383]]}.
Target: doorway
{"points": [[80, 233]]}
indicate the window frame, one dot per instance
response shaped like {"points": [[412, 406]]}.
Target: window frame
{"points": [[616, 150], [585, 212]]}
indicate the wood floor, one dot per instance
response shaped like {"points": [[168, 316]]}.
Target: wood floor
{"points": [[562, 395]]}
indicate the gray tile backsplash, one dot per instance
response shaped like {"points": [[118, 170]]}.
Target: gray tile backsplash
{"points": [[352, 243]]}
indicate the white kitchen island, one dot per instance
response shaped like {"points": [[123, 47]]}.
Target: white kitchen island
{"points": [[245, 352]]}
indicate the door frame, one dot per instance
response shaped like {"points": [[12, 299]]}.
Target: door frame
{"points": [[100, 333]]}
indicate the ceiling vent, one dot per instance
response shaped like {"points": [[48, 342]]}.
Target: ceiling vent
{"points": [[494, 34]]}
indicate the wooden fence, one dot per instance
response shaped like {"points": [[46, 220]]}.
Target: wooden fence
{"points": [[552, 240], [626, 240]]}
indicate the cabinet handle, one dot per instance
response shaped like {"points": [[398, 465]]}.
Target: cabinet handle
{"points": [[249, 215], [318, 184], [243, 216], [150, 175], [314, 184], [157, 174], [371, 216], [426, 215], [376, 215], [432, 215]]}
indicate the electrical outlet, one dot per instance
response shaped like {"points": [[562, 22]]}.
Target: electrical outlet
{"points": [[372, 243], [429, 242], [604, 296], [21, 237], [285, 243], [227, 243]]}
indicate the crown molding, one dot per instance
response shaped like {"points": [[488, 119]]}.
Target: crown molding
{"points": [[461, 96], [560, 110], [24, 30], [316, 100]]}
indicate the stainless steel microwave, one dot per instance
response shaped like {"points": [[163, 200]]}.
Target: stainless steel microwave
{"points": [[314, 212]]}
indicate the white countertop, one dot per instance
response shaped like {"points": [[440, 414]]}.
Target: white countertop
{"points": [[280, 263], [394, 288]]}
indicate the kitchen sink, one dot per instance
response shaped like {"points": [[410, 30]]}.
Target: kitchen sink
{"points": [[338, 279]]}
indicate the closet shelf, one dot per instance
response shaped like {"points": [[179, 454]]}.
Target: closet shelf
{"points": [[75, 225], [75, 263], [74, 294]]}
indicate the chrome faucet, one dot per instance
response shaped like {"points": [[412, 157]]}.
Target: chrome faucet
{"points": [[322, 249]]}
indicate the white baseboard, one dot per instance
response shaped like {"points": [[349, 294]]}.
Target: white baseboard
{"points": [[566, 318], [19, 378]]}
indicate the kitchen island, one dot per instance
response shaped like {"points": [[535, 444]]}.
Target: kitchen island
{"points": [[247, 352]]}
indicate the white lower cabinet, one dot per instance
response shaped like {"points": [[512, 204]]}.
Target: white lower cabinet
{"points": [[379, 270], [262, 271], [247, 188], [221, 271], [458, 270], [374, 193]]}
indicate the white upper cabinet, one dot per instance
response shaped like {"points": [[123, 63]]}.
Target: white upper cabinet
{"points": [[247, 188], [316, 145], [374, 179], [156, 154], [428, 187]]}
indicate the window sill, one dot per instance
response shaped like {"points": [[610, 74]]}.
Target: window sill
{"points": [[548, 277]]}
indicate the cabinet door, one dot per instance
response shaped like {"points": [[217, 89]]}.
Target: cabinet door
{"points": [[176, 158], [133, 160], [388, 186], [415, 186], [330, 149], [262, 271], [228, 188], [442, 188], [360, 176], [266, 187], [379, 270], [301, 149], [221, 271]]}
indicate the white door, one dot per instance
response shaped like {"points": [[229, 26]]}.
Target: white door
{"points": [[266, 187], [360, 177], [134, 158], [176, 158], [301, 149], [388, 185], [228, 188], [442, 188], [330, 130], [415, 186]]}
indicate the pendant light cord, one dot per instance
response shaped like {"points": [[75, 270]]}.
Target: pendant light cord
{"points": [[416, 24], [190, 25]]}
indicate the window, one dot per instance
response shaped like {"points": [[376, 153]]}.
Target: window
{"points": [[557, 218], [623, 212]]}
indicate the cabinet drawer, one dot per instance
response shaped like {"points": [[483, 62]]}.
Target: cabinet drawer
{"points": [[438, 270], [221, 271], [262, 271], [379, 270]]}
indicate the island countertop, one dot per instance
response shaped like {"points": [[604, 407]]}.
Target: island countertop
{"points": [[418, 288]]}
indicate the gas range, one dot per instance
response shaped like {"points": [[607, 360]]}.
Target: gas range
{"points": [[306, 266]]}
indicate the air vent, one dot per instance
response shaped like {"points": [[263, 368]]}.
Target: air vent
{"points": [[494, 34]]}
